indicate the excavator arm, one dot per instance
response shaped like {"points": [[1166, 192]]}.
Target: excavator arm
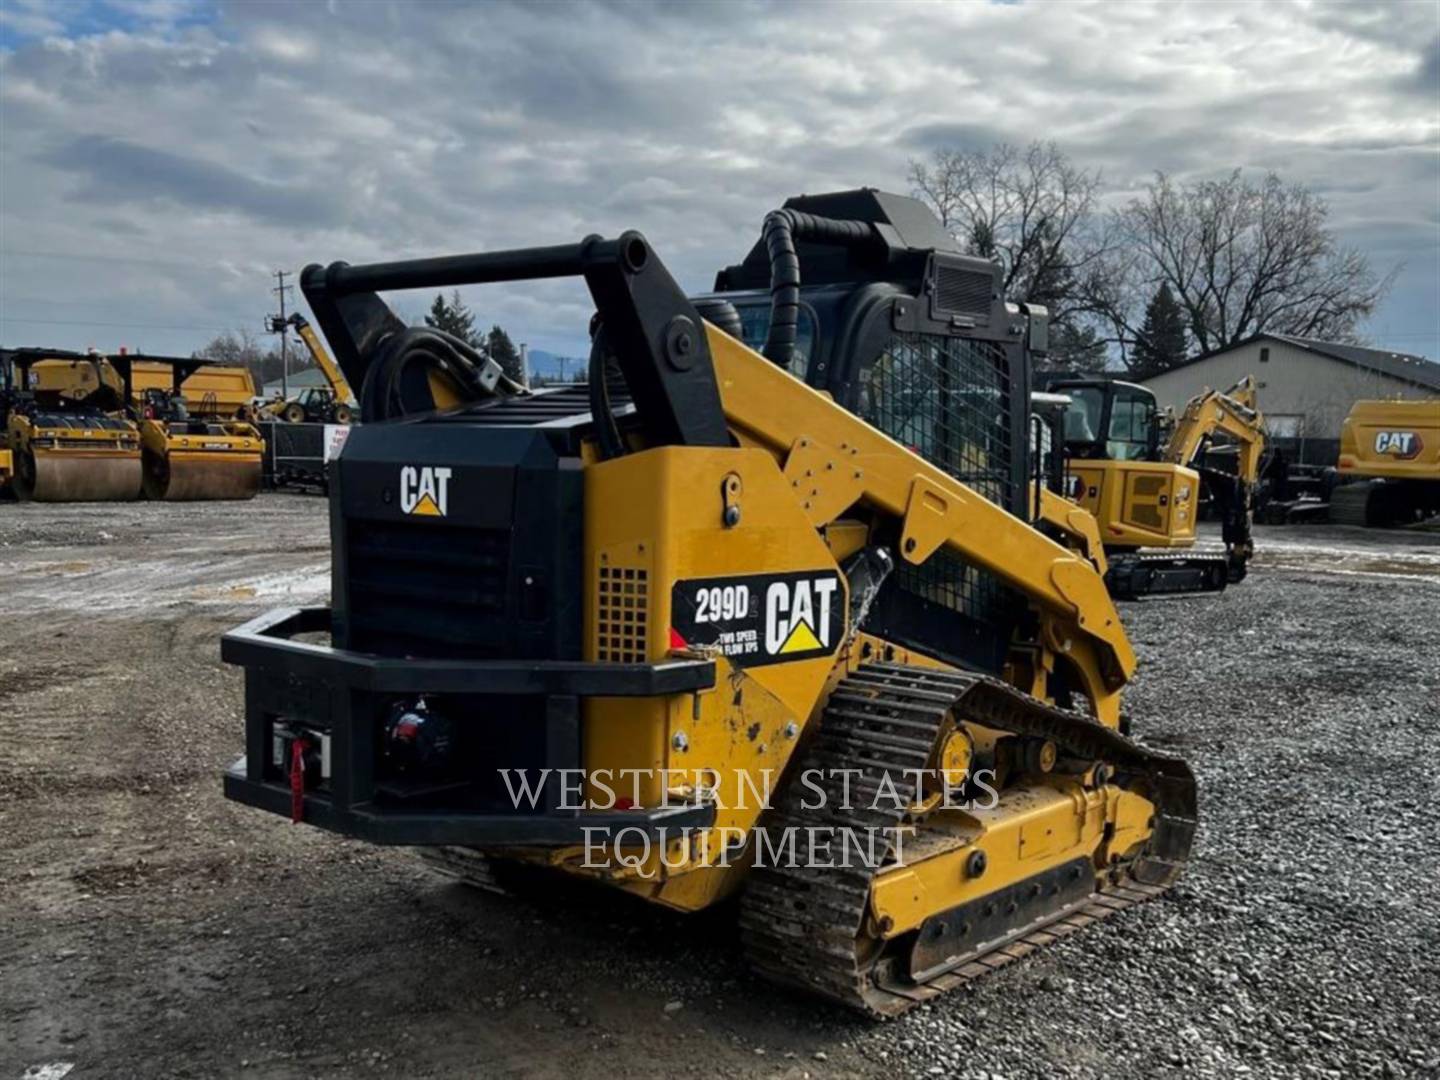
{"points": [[1233, 412], [1237, 414]]}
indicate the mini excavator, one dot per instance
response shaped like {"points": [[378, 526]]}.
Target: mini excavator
{"points": [[1143, 487], [776, 604]]}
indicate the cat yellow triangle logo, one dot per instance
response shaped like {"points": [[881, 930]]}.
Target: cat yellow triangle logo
{"points": [[801, 639], [426, 505]]}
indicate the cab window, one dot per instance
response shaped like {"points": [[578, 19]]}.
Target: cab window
{"points": [[1082, 415], [1132, 422], [755, 324]]}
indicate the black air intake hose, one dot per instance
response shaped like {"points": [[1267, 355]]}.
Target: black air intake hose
{"points": [[398, 380], [781, 230], [603, 377]]}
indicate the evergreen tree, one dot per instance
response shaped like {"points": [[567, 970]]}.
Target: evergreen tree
{"points": [[503, 352], [1161, 343], [1074, 348], [454, 318]]}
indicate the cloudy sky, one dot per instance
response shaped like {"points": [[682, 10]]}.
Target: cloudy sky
{"points": [[160, 159]]}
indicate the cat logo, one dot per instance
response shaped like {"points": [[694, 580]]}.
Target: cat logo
{"points": [[1404, 445], [757, 619], [424, 490], [798, 617]]}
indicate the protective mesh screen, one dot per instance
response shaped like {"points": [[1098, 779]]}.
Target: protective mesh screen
{"points": [[948, 399]]}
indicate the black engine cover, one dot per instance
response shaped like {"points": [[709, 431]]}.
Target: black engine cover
{"points": [[456, 539]]}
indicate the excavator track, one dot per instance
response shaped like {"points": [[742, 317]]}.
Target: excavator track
{"points": [[1132, 575], [808, 927]]}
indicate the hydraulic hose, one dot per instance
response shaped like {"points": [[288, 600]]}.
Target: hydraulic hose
{"points": [[780, 232], [604, 370], [397, 382]]}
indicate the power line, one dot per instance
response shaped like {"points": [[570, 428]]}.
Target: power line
{"points": [[184, 264], [121, 325]]}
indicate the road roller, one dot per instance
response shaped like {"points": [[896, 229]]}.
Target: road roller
{"points": [[65, 428], [189, 454]]}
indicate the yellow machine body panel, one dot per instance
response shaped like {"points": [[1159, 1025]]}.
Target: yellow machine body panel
{"points": [[215, 389], [1394, 440], [74, 380], [1137, 504]]}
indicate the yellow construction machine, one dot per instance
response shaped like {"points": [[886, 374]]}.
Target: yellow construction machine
{"points": [[773, 605], [1389, 463], [209, 388], [314, 404], [187, 454], [1143, 486], [68, 437]]}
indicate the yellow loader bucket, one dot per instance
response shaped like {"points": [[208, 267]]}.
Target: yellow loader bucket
{"points": [[185, 477], [45, 475]]}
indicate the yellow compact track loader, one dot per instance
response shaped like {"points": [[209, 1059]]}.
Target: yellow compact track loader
{"points": [[1389, 463], [66, 430], [1143, 487], [334, 404], [189, 455], [774, 605]]}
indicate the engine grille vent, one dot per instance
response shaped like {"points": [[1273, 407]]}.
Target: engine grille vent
{"points": [[964, 292], [427, 591], [622, 611]]}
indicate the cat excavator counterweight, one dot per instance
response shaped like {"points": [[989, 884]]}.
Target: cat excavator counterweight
{"points": [[774, 585]]}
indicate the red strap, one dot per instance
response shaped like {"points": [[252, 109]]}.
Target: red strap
{"points": [[297, 780]]}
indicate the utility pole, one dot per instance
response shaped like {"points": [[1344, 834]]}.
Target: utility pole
{"points": [[280, 327]]}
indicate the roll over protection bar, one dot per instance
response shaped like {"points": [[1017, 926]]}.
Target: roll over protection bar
{"points": [[652, 328]]}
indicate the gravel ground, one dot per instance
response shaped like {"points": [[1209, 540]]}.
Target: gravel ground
{"points": [[149, 927]]}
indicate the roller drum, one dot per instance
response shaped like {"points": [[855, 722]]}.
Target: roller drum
{"points": [[52, 477], [191, 478]]}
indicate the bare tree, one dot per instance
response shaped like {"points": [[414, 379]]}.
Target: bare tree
{"points": [[1241, 257], [241, 347], [1033, 211]]}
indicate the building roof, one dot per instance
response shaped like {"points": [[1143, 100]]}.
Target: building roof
{"points": [[1403, 366], [299, 380]]}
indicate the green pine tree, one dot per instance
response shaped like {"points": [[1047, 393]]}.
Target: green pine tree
{"points": [[504, 353], [454, 318], [1074, 348], [1161, 344]]}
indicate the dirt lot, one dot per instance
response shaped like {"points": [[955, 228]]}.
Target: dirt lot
{"points": [[150, 928]]}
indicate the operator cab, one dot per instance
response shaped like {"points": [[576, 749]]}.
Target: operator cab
{"points": [[1110, 420]]}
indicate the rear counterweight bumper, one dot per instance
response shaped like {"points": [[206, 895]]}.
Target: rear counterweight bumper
{"points": [[297, 684]]}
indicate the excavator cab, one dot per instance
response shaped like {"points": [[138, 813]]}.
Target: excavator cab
{"points": [[1109, 419]]}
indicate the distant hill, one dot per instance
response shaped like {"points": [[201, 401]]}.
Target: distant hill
{"points": [[551, 367]]}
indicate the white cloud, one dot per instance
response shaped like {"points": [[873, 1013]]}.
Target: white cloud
{"points": [[280, 135]]}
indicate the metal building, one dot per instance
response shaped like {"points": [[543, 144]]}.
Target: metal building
{"points": [[1306, 386]]}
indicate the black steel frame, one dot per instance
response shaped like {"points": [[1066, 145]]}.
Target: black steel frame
{"points": [[345, 691]]}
